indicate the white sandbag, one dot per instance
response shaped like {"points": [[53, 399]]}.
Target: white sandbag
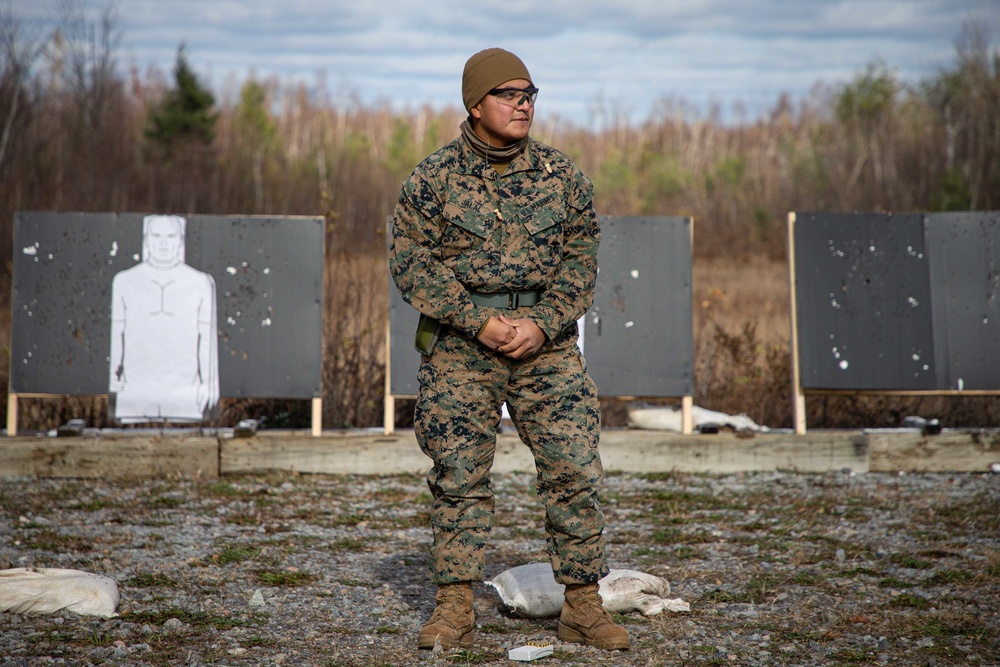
{"points": [[45, 590], [531, 591], [669, 419]]}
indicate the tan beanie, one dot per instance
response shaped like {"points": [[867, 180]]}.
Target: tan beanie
{"points": [[488, 69]]}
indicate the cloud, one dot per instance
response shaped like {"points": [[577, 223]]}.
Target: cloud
{"points": [[630, 53]]}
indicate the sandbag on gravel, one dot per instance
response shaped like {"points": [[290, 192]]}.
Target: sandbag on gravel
{"points": [[45, 590], [531, 591], [669, 419]]}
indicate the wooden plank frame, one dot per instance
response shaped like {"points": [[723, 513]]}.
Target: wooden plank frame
{"points": [[316, 408]]}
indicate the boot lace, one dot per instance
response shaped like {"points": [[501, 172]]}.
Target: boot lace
{"points": [[450, 602]]}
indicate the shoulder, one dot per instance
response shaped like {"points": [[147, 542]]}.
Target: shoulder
{"points": [[443, 160], [554, 163], [425, 186], [542, 153], [188, 273]]}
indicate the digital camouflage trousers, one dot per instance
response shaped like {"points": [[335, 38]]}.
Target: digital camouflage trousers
{"points": [[554, 405]]}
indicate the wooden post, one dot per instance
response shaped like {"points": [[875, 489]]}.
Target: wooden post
{"points": [[317, 416], [798, 398], [11, 413], [388, 402], [687, 415], [687, 402]]}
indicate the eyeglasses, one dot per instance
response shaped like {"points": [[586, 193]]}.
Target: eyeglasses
{"points": [[515, 97]]}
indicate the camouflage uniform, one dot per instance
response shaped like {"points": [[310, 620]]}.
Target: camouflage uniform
{"points": [[460, 226]]}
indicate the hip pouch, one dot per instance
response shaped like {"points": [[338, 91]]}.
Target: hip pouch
{"points": [[428, 332]]}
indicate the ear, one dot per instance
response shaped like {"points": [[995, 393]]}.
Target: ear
{"points": [[476, 111]]}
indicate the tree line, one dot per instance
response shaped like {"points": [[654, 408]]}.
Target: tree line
{"points": [[79, 134]]}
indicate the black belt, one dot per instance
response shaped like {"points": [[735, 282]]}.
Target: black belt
{"points": [[508, 300]]}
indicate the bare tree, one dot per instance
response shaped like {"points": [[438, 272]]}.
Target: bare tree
{"points": [[18, 53]]}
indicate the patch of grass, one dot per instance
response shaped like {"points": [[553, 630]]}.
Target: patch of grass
{"points": [[392, 496], [349, 544], [851, 656], [856, 514], [294, 542], [667, 536], [470, 657], [495, 628], [938, 553], [756, 524], [257, 641], [671, 476], [199, 620], [894, 582], [243, 519], [387, 630], [719, 595], [236, 553], [93, 506], [683, 551], [150, 522], [949, 624], [909, 600], [286, 579], [151, 580], [942, 577], [806, 578], [911, 562], [95, 638], [165, 502], [347, 520], [420, 519], [358, 583], [860, 572], [761, 588], [976, 515], [223, 490], [47, 539], [694, 501], [702, 649]]}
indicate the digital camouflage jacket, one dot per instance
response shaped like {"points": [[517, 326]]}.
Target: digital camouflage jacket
{"points": [[459, 226]]}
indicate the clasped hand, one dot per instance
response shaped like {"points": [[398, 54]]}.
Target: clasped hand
{"points": [[516, 339]]}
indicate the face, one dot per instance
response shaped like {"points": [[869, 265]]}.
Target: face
{"points": [[164, 239], [501, 124]]}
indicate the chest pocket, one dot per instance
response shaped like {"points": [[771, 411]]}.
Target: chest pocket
{"points": [[471, 220], [544, 213]]}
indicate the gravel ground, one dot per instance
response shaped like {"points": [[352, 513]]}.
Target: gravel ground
{"points": [[277, 569]]}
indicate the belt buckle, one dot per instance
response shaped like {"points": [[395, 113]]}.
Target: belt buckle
{"points": [[512, 300]]}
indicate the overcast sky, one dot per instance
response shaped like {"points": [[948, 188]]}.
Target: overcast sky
{"points": [[623, 56]]}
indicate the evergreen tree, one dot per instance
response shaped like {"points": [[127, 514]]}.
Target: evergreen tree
{"points": [[186, 111]]}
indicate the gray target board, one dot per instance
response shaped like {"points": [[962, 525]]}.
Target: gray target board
{"points": [[639, 334], [637, 337], [964, 256], [897, 302], [268, 284]]}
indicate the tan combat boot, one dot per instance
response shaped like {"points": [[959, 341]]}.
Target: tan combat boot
{"points": [[453, 622], [584, 620]]}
